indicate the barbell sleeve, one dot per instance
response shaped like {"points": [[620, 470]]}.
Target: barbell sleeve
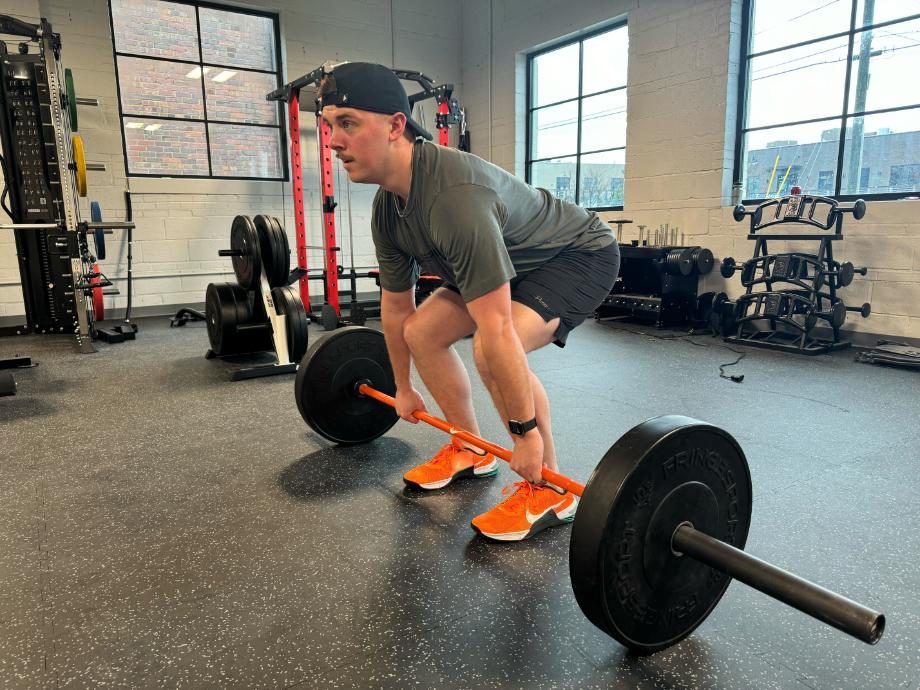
{"points": [[827, 606], [559, 480]]}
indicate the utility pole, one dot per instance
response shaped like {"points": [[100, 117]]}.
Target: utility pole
{"points": [[862, 87]]}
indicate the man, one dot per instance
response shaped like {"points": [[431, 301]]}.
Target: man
{"points": [[522, 269]]}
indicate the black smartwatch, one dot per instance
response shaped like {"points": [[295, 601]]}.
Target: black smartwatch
{"points": [[521, 428]]}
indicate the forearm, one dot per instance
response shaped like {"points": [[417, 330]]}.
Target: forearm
{"points": [[393, 316]]}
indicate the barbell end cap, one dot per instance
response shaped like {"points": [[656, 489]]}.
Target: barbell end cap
{"points": [[876, 630]]}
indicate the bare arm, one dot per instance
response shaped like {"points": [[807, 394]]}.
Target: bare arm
{"points": [[395, 308]]}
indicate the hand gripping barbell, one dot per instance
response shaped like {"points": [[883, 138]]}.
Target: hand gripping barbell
{"points": [[661, 523]]}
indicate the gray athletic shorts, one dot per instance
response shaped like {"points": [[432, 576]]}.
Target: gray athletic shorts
{"points": [[571, 286]]}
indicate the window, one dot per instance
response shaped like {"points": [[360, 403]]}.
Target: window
{"points": [[576, 118], [825, 98], [192, 80]]}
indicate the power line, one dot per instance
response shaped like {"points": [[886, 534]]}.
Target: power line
{"points": [[830, 62], [785, 21]]}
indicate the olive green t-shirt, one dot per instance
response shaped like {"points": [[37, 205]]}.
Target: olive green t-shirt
{"points": [[473, 224]]}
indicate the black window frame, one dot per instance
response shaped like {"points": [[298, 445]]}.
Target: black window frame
{"points": [[281, 126], [747, 21], [580, 39]]}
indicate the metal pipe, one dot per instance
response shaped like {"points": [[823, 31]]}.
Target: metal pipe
{"points": [[827, 606], [29, 226]]}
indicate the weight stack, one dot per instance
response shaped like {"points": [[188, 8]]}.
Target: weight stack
{"points": [[657, 285]]}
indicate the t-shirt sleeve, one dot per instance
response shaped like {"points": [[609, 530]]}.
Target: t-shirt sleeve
{"points": [[398, 271], [466, 226]]}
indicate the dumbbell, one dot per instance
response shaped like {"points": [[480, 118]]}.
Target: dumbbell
{"points": [[703, 260], [864, 310], [858, 209], [845, 273], [747, 269], [680, 262], [728, 267], [836, 315]]}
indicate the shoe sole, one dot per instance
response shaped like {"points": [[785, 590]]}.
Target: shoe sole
{"points": [[489, 470], [550, 519]]}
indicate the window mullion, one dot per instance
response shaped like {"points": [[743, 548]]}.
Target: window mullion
{"points": [[581, 84], [204, 94]]}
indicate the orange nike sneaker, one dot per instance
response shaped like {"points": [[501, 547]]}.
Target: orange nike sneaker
{"points": [[529, 509], [451, 462]]}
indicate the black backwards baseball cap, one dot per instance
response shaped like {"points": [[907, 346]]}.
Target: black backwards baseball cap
{"points": [[367, 86]]}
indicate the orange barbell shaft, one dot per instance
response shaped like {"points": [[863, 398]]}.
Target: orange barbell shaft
{"points": [[559, 480]]}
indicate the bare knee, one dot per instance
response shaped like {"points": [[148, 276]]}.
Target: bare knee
{"points": [[423, 336]]}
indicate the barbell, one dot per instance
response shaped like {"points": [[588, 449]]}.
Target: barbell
{"points": [[662, 521]]}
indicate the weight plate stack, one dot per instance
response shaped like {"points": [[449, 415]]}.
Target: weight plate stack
{"points": [[276, 255], [71, 99], [288, 303], [98, 302], [245, 239], [284, 250], [229, 308], [679, 262], [703, 260], [95, 213], [79, 162]]}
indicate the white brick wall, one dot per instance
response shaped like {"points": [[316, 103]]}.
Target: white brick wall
{"points": [[680, 134]]}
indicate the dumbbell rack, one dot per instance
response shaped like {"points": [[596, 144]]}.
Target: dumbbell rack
{"points": [[657, 284], [783, 318], [262, 313]]}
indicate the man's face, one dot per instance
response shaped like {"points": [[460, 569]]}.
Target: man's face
{"points": [[360, 140]]}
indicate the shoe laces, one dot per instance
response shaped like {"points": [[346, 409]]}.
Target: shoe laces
{"points": [[444, 456], [520, 492]]}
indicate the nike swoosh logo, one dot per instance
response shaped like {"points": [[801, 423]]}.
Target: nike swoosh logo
{"points": [[531, 518]]}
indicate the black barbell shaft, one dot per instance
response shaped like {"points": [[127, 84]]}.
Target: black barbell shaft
{"points": [[827, 606]]}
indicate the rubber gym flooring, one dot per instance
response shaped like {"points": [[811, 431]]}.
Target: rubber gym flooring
{"points": [[161, 526]]}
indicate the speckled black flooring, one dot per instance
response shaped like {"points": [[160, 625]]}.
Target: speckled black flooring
{"points": [[161, 526]]}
